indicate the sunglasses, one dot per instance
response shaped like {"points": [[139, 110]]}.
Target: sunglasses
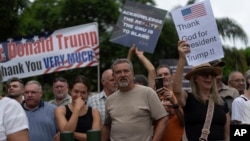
{"points": [[238, 80], [206, 74]]}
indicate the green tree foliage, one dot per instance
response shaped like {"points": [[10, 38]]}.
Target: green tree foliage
{"points": [[24, 18], [247, 55], [228, 28], [235, 60], [9, 15], [50, 15]]}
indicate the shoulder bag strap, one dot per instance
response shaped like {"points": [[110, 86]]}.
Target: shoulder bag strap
{"points": [[206, 127]]}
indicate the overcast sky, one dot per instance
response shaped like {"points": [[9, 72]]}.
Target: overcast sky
{"points": [[238, 10]]}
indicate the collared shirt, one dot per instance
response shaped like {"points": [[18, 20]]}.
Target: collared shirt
{"points": [[226, 91], [65, 101], [228, 94], [42, 122], [98, 101]]}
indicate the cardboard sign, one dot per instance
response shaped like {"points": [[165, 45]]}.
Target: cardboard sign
{"points": [[140, 25]]}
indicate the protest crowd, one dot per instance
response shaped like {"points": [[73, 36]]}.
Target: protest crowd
{"points": [[131, 106]]}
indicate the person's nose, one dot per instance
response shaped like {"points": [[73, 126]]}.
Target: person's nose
{"points": [[242, 81], [123, 73], [29, 94]]}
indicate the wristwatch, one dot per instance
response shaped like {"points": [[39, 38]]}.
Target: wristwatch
{"points": [[175, 106]]}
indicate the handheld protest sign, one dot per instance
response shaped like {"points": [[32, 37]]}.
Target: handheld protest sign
{"points": [[139, 24], [196, 24]]}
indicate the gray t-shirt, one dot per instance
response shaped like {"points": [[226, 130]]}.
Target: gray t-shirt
{"points": [[131, 114]]}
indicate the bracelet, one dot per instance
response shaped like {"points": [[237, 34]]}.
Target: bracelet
{"points": [[175, 106]]}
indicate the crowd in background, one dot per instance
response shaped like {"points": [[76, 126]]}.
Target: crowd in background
{"points": [[130, 107]]}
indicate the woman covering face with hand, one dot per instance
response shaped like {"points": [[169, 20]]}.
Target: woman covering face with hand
{"points": [[77, 117]]}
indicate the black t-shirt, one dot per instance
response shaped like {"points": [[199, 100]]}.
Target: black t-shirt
{"points": [[195, 115]]}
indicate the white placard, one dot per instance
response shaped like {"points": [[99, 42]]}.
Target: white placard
{"points": [[196, 24]]}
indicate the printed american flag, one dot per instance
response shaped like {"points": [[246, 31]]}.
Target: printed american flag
{"points": [[194, 12]]}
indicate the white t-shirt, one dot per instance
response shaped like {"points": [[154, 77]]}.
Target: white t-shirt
{"points": [[12, 118], [246, 114], [238, 108]]}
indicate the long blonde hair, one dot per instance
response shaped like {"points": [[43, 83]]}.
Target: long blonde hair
{"points": [[213, 91]]}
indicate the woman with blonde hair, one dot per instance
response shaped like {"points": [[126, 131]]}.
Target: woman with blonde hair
{"points": [[196, 104]]}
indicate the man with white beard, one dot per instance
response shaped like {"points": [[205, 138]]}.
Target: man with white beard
{"points": [[132, 109], [61, 92]]}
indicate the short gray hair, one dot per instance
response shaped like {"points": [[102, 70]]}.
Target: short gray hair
{"points": [[34, 82], [122, 60]]}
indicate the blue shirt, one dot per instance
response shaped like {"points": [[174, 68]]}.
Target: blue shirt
{"points": [[42, 124]]}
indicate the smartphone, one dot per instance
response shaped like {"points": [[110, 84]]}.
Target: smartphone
{"points": [[158, 82]]}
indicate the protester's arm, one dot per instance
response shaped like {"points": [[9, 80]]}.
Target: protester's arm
{"points": [[149, 66], [70, 125], [106, 132], [179, 110], [181, 95], [22, 135], [179, 114], [62, 122], [159, 128], [131, 52], [96, 125], [227, 127]]}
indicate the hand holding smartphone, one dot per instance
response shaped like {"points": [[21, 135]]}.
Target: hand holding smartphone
{"points": [[158, 82]]}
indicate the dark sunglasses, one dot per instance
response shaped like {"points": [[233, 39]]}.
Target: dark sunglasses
{"points": [[207, 74]]}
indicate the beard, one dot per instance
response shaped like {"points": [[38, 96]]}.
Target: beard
{"points": [[61, 96], [123, 83]]}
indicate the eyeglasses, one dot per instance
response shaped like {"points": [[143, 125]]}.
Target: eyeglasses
{"points": [[238, 80], [207, 74], [61, 79]]}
